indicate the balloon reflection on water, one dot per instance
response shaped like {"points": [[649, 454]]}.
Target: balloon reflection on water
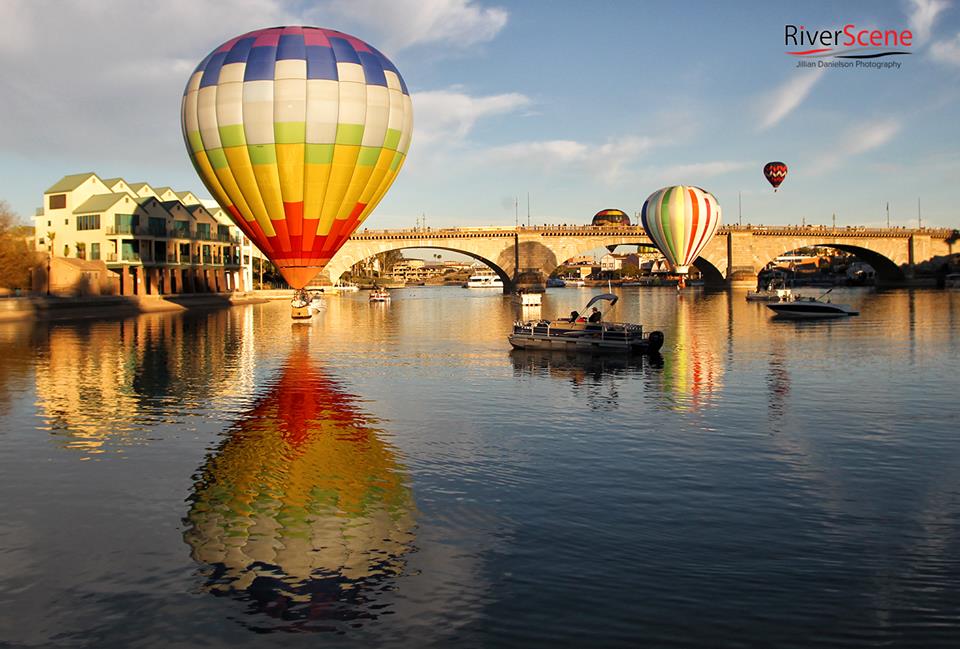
{"points": [[304, 511]]}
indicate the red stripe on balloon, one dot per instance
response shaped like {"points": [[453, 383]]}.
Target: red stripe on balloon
{"points": [[294, 214], [694, 221], [709, 217], [309, 233], [283, 234]]}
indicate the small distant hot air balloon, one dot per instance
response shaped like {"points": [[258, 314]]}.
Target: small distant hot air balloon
{"points": [[775, 172], [297, 132], [680, 220]]}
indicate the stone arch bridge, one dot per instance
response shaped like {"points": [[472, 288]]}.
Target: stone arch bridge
{"points": [[525, 256]]}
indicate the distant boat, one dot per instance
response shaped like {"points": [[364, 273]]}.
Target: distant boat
{"points": [[487, 279], [379, 295], [344, 287], [773, 293], [529, 299], [952, 280], [555, 282]]}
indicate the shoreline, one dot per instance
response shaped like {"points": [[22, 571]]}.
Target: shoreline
{"points": [[37, 307]]}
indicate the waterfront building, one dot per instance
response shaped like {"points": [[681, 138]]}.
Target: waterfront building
{"points": [[156, 240]]}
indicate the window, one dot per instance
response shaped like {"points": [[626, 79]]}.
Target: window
{"points": [[49, 224], [94, 251], [157, 226], [203, 231], [66, 221], [81, 251], [41, 242], [58, 201], [88, 222]]}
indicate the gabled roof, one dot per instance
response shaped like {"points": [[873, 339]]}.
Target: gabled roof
{"points": [[172, 205], [163, 190], [110, 182], [138, 186], [69, 183], [101, 202], [183, 196], [145, 200]]}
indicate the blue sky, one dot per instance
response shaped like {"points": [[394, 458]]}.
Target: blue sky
{"points": [[582, 105]]}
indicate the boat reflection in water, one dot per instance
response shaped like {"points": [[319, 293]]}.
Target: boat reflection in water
{"points": [[597, 375], [304, 511]]}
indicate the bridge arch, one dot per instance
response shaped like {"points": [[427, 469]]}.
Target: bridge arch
{"points": [[335, 271], [886, 268]]}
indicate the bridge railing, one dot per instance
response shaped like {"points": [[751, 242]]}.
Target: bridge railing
{"points": [[591, 230]]}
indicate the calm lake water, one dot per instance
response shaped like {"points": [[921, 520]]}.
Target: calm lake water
{"points": [[393, 476]]}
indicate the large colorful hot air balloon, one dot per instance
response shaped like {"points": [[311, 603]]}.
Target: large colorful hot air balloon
{"points": [[680, 220], [775, 172], [297, 132]]}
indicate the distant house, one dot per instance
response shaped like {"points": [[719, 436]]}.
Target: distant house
{"points": [[155, 240]]}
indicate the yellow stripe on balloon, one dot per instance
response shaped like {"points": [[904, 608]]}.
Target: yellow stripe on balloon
{"points": [[242, 169], [315, 178], [290, 167], [268, 179], [380, 170], [341, 172], [207, 174]]}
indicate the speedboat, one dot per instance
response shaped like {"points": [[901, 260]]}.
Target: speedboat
{"points": [[379, 295], [812, 307], [577, 334], [484, 279]]}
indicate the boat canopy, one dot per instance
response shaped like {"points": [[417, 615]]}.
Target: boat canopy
{"points": [[609, 297]]}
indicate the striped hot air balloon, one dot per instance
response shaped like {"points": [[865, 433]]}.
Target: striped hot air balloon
{"points": [[775, 173], [297, 132], [681, 220]]}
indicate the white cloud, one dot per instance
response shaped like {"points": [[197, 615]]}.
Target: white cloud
{"points": [[923, 14], [405, 23], [106, 76], [782, 101], [687, 173], [860, 139], [946, 51], [607, 162], [448, 116]]}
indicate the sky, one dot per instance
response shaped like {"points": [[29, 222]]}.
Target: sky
{"points": [[582, 106]]}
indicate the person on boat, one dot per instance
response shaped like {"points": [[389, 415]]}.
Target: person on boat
{"points": [[595, 315]]}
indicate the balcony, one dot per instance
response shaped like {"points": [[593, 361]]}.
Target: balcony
{"points": [[132, 257], [177, 233], [114, 230], [207, 260], [173, 259]]}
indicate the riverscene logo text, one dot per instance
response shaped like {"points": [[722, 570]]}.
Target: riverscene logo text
{"points": [[847, 47]]}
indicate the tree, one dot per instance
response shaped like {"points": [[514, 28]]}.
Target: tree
{"points": [[16, 258]]}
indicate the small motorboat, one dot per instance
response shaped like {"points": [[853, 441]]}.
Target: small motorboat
{"points": [[812, 307], [379, 294], [577, 334], [773, 293], [529, 299]]}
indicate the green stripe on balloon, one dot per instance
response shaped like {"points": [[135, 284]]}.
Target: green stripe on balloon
{"points": [[318, 154], [663, 215], [262, 154], [392, 140], [217, 158], [290, 132], [232, 135], [368, 156], [349, 134]]}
